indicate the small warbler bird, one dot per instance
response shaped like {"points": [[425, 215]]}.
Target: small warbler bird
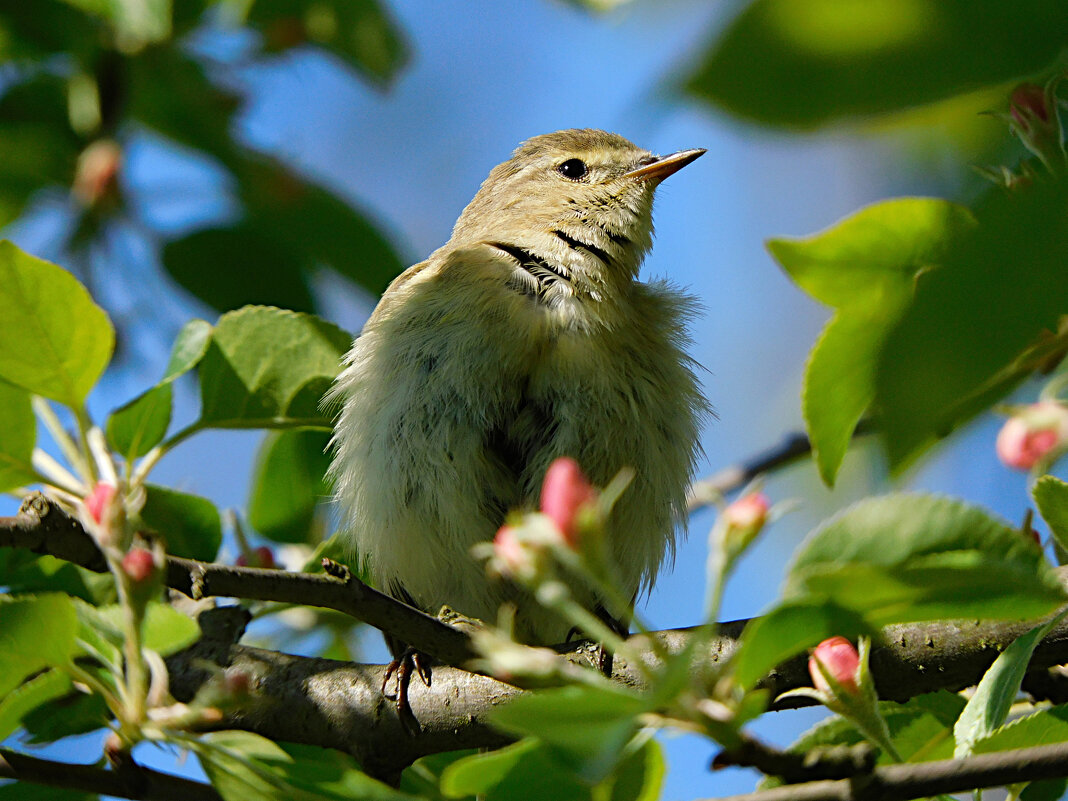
{"points": [[526, 337]]}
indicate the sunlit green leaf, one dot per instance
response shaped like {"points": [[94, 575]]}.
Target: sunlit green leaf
{"points": [[18, 434], [989, 707], [54, 340], [29, 695], [1044, 727], [1051, 497], [589, 727], [189, 525], [288, 484], [269, 368], [75, 713], [804, 63], [22, 648], [165, 630], [865, 267], [954, 352], [525, 771]]}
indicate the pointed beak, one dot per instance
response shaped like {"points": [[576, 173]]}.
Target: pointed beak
{"points": [[663, 166]]}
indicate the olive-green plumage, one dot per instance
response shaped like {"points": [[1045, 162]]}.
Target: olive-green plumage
{"points": [[526, 337]]}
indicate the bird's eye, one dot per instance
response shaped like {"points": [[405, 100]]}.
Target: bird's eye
{"points": [[575, 169]]}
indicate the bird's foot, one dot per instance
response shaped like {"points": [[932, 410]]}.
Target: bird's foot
{"points": [[410, 660]]}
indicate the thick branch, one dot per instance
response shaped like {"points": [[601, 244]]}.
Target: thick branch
{"points": [[921, 779], [133, 781]]}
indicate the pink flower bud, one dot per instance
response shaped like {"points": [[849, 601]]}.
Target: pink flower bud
{"points": [[564, 493], [749, 511], [510, 556], [841, 661], [259, 557], [1035, 433], [1029, 103], [139, 565], [96, 175], [98, 502]]}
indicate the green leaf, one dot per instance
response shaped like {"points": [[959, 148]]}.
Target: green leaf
{"points": [[23, 649], [165, 629], [190, 525], [789, 629], [18, 434], [1044, 727], [75, 713], [135, 25], [588, 727], [22, 791], [288, 484], [242, 765], [805, 63], [29, 695], [865, 267], [1051, 496], [140, 425], [359, 31], [525, 771], [269, 368], [965, 340], [640, 776], [907, 557], [988, 708], [1048, 790], [54, 341]]}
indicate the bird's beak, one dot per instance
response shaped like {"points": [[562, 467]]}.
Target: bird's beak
{"points": [[664, 166]]}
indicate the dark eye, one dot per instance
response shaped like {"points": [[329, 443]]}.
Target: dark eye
{"points": [[573, 169]]}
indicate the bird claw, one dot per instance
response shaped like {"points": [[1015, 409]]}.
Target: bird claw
{"points": [[409, 661]]}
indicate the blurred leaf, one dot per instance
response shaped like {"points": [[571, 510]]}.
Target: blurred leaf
{"points": [[289, 482], [140, 425], [18, 435], [190, 525], [228, 268], [640, 776], [865, 266], [805, 63], [1051, 496], [43, 28], [360, 31], [242, 765], [166, 630], [192, 111], [22, 791], [908, 557], [22, 648], [54, 341], [989, 707], [316, 226], [960, 346], [28, 696], [269, 368], [134, 24], [588, 727], [1048, 790], [74, 713], [524, 771], [26, 572], [787, 630], [423, 777], [37, 146]]}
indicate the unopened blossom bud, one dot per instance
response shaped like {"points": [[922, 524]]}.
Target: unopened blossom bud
{"points": [[841, 660], [742, 520], [1034, 434], [139, 565], [564, 494], [1033, 113], [96, 175], [98, 502], [261, 556], [514, 556]]}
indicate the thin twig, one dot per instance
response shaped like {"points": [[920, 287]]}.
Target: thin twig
{"points": [[706, 491], [134, 781], [922, 779]]}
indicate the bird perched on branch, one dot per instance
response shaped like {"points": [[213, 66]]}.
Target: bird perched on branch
{"points": [[526, 337]]}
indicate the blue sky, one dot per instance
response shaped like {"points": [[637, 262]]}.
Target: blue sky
{"points": [[479, 83]]}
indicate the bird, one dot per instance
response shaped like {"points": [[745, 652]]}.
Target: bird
{"points": [[526, 337]]}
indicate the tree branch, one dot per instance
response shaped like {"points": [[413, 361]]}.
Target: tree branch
{"points": [[131, 781], [921, 779]]}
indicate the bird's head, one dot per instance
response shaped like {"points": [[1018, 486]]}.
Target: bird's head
{"points": [[572, 208]]}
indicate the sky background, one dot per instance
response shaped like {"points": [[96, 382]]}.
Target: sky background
{"points": [[483, 77]]}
